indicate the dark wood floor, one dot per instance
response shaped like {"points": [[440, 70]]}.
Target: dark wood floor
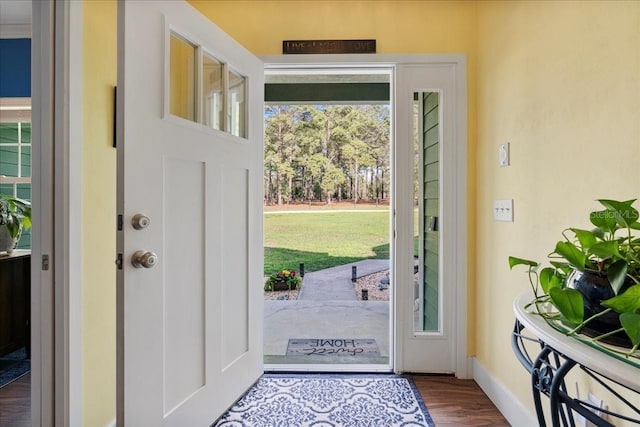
{"points": [[460, 403], [15, 403], [450, 402]]}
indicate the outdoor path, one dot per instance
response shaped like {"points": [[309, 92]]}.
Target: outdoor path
{"points": [[334, 284]]}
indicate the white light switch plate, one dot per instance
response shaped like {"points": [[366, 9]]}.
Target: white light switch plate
{"points": [[503, 210], [503, 155]]}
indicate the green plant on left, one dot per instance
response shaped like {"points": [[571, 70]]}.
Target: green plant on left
{"points": [[610, 250], [15, 214], [287, 277]]}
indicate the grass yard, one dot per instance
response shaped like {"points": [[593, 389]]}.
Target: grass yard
{"points": [[323, 239]]}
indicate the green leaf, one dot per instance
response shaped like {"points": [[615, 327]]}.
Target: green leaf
{"points": [[564, 266], [586, 238], [572, 254], [631, 324], [549, 279], [623, 212], [617, 273], [605, 250], [603, 220], [569, 302], [513, 261], [628, 302], [635, 225]]}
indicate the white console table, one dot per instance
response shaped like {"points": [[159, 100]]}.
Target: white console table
{"points": [[559, 354]]}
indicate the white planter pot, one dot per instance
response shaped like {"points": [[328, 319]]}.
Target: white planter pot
{"points": [[7, 244]]}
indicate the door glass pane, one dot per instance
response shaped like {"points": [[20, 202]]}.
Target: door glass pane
{"points": [[237, 105], [212, 92], [427, 211], [182, 78]]}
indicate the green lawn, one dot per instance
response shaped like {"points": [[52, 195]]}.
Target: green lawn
{"points": [[323, 240]]}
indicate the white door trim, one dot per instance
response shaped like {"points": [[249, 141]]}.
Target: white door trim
{"points": [[56, 306], [459, 180], [42, 217]]}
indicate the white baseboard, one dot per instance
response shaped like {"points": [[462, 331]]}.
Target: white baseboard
{"points": [[510, 407]]}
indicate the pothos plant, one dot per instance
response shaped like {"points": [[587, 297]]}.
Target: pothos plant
{"points": [[611, 250], [15, 215]]}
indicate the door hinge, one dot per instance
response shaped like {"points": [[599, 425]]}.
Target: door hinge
{"points": [[45, 262], [120, 222], [119, 261]]}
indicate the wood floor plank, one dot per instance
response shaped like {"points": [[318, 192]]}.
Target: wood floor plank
{"points": [[15, 403], [460, 403]]}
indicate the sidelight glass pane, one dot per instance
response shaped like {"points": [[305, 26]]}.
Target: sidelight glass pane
{"points": [[212, 92], [237, 105], [182, 78], [427, 211]]}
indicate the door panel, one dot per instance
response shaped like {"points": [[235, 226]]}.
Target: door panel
{"points": [[235, 293], [189, 335], [184, 280]]}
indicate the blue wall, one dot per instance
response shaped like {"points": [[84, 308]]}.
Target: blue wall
{"points": [[15, 68]]}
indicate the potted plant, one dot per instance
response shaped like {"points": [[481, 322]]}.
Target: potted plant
{"points": [[593, 280], [282, 280], [15, 216]]}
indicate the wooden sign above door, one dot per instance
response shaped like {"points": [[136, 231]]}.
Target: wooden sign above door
{"points": [[290, 47]]}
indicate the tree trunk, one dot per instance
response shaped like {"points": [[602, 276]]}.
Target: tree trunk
{"points": [[270, 192], [278, 189], [355, 186]]}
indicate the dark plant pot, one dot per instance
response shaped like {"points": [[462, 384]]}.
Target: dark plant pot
{"points": [[279, 286], [595, 288]]}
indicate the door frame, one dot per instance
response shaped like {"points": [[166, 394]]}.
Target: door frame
{"points": [[402, 220], [56, 292], [59, 400]]}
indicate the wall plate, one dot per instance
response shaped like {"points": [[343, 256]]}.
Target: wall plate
{"points": [[503, 155], [503, 210]]}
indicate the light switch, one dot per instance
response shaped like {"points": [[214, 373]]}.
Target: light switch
{"points": [[503, 210], [503, 154]]}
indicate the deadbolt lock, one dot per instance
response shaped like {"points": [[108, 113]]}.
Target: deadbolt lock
{"points": [[140, 221]]}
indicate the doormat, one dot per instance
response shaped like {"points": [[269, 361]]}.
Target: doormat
{"points": [[332, 347], [329, 400]]}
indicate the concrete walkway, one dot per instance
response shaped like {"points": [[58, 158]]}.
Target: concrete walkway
{"points": [[327, 307], [334, 284]]}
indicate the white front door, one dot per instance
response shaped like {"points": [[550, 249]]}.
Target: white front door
{"points": [[189, 141]]}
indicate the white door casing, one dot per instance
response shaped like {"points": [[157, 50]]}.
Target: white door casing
{"points": [[189, 329], [420, 352]]}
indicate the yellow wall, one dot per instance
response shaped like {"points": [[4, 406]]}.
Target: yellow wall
{"points": [[561, 82], [98, 224], [399, 26]]}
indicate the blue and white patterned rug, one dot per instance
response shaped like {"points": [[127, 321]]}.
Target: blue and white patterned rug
{"points": [[324, 400]]}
